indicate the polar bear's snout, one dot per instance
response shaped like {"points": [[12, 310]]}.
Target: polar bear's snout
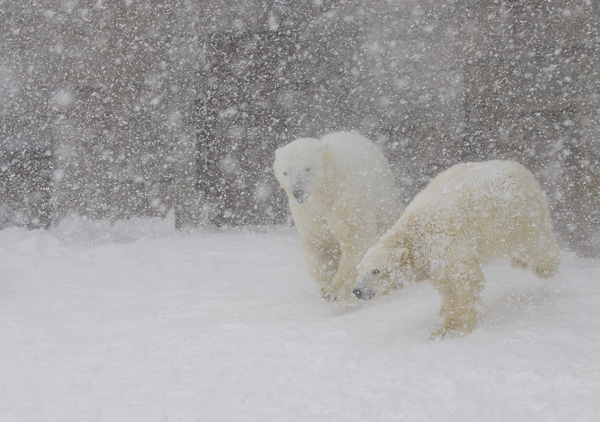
{"points": [[300, 194], [363, 294], [362, 291]]}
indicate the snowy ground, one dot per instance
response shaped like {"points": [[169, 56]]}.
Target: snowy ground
{"points": [[136, 322]]}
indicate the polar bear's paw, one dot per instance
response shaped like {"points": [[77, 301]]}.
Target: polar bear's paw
{"points": [[453, 329], [341, 300], [328, 295]]}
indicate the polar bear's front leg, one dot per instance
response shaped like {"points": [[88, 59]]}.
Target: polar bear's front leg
{"points": [[322, 258], [459, 288], [320, 247], [345, 279]]}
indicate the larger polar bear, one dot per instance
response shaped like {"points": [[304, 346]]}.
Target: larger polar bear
{"points": [[468, 215], [343, 197]]}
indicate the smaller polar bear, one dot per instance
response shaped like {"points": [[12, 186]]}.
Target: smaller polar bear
{"points": [[343, 197], [468, 216]]}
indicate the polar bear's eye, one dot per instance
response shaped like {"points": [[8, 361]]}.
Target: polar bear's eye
{"points": [[375, 272], [285, 173], [307, 170]]}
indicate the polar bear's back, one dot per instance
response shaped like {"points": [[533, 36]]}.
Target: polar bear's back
{"points": [[360, 164], [351, 149], [477, 185], [490, 203]]}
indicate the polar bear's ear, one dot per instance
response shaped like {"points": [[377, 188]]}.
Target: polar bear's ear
{"points": [[400, 254]]}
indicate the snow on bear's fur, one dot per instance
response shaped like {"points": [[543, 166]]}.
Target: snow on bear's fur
{"points": [[469, 215], [343, 197]]}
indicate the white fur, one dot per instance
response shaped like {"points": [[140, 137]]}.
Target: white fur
{"points": [[343, 196], [469, 215]]}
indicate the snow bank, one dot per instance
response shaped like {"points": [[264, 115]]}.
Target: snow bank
{"points": [[139, 322]]}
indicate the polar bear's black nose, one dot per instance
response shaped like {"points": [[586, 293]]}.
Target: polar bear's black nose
{"points": [[300, 195], [362, 294]]}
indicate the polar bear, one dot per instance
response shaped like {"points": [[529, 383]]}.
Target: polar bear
{"points": [[469, 215], [343, 197]]}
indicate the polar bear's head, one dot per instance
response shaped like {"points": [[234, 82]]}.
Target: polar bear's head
{"points": [[300, 167], [385, 267]]}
